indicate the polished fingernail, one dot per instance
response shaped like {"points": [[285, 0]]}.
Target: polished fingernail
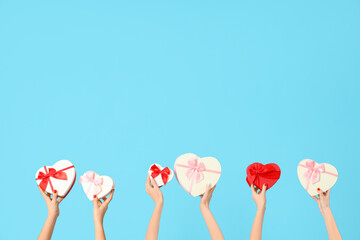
{"points": [[55, 191], [318, 189], [266, 185], [94, 196]]}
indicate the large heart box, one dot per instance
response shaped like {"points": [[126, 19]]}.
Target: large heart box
{"points": [[313, 175], [96, 185], [161, 175], [60, 177], [194, 173]]}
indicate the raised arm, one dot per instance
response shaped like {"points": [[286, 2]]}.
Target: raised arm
{"points": [[323, 200], [52, 203], [100, 208], [260, 201], [155, 193], [213, 227]]}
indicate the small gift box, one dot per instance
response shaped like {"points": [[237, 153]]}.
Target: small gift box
{"points": [[194, 173], [96, 185], [313, 175], [161, 175], [60, 177], [259, 174]]}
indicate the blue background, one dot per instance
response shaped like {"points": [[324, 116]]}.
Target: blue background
{"points": [[114, 86]]}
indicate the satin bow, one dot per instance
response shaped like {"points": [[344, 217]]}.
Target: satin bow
{"points": [[195, 170], [95, 180], [164, 173], [313, 173], [45, 177]]}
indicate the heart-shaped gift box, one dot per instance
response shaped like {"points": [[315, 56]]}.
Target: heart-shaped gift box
{"points": [[161, 175], [259, 174], [60, 177], [194, 173], [96, 185], [313, 175]]}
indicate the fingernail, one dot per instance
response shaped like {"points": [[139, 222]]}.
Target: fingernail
{"points": [[55, 191], [266, 185], [94, 196], [318, 189]]}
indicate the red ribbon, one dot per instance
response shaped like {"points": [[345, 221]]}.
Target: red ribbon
{"points": [[164, 173], [51, 172]]}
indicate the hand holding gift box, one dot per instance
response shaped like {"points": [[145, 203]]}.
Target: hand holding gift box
{"points": [[60, 177], [96, 185], [259, 174], [161, 175], [313, 175], [194, 173]]}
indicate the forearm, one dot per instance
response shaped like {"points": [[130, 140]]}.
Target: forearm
{"points": [[48, 228], [154, 224], [331, 227], [99, 230], [214, 229], [257, 226]]}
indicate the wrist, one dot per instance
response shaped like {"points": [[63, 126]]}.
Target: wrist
{"points": [[52, 216], [325, 211], [261, 208], [98, 221], [204, 206], [159, 204]]}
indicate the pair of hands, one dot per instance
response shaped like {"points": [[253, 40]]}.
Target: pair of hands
{"points": [[52, 203], [322, 199]]}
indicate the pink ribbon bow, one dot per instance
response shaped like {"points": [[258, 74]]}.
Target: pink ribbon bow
{"points": [[95, 180], [312, 175], [195, 170]]}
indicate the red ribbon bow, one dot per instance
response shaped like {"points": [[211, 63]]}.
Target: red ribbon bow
{"points": [[45, 177], [164, 173]]}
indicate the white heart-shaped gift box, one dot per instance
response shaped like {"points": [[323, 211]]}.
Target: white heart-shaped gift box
{"points": [[313, 175], [194, 173], [157, 172], [94, 184], [60, 177]]}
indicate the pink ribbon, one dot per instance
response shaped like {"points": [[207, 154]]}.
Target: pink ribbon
{"points": [[312, 175], [194, 171], [95, 180]]}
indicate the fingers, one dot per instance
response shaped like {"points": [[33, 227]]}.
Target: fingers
{"points": [[315, 198], [60, 200], [153, 182], [263, 190], [96, 202], [108, 200], [147, 183], [253, 189], [43, 193], [55, 195], [320, 192]]}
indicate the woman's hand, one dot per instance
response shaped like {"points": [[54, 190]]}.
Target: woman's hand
{"points": [[323, 200], [213, 227], [52, 203], [101, 207], [206, 197], [259, 196], [154, 191]]}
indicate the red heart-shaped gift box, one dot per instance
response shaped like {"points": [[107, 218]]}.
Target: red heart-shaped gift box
{"points": [[259, 174]]}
